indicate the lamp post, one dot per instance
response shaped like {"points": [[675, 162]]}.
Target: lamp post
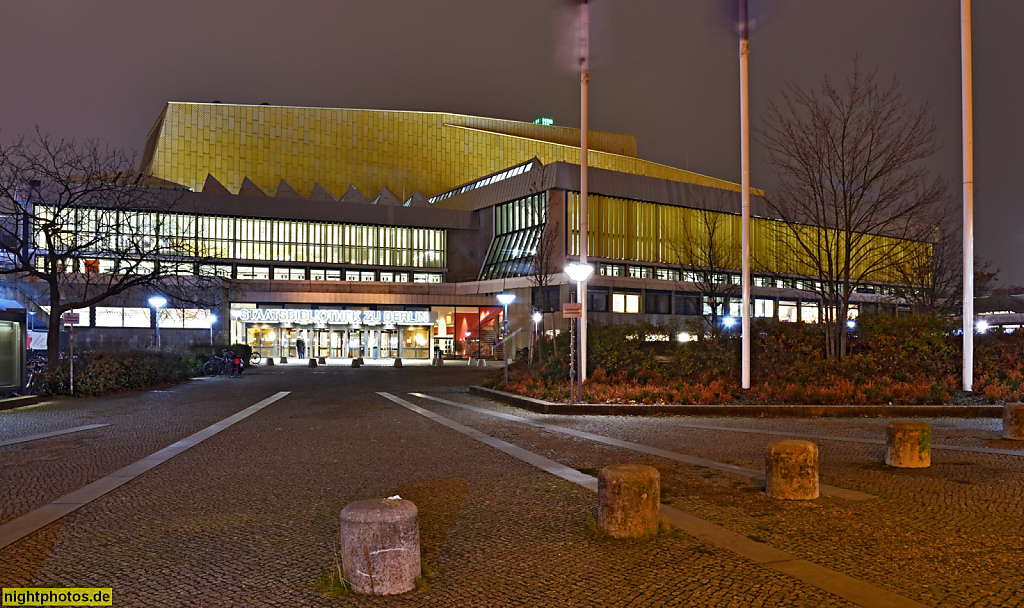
{"points": [[213, 319], [579, 273], [967, 102], [538, 316], [505, 299], [158, 302]]}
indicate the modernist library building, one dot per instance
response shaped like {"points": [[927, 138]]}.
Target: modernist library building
{"points": [[388, 234]]}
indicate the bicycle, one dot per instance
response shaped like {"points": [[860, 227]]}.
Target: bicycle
{"points": [[255, 358], [225, 363]]}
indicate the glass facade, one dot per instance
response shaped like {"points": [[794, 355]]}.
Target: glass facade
{"points": [[169, 235], [518, 227]]}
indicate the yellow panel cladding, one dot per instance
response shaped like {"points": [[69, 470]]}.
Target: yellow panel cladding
{"points": [[640, 231], [372, 149]]}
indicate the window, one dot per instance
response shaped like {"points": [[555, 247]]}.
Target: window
{"points": [[809, 312], [518, 228], [657, 303], [764, 307], [254, 273], [667, 274], [289, 274], [425, 277], [387, 277], [688, 304], [185, 318], [597, 300], [626, 303], [641, 272], [788, 311], [763, 282], [215, 270], [367, 275], [351, 275], [320, 274], [613, 270]]}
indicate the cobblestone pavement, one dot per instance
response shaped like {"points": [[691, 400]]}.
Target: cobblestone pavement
{"points": [[949, 535], [249, 517]]}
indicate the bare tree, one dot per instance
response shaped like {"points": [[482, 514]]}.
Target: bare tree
{"points": [[853, 191], [546, 264], [705, 247], [78, 218]]}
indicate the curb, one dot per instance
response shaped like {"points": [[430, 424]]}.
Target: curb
{"points": [[22, 401], [744, 411]]}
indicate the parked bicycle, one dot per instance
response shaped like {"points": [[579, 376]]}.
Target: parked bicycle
{"points": [[225, 363], [36, 366], [255, 358]]}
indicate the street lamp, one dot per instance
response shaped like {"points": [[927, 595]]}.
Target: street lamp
{"points": [[213, 319], [505, 299], [158, 302], [579, 273], [538, 316]]}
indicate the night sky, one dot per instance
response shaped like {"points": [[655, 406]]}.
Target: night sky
{"points": [[665, 71]]}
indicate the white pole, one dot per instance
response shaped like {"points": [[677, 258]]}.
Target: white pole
{"points": [[584, 81], [965, 29], [745, 188]]}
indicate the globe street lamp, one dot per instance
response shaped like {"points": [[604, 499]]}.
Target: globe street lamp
{"points": [[213, 319], [505, 299], [158, 302], [538, 316], [579, 273]]}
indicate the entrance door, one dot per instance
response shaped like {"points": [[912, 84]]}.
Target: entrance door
{"points": [[388, 343], [320, 343]]}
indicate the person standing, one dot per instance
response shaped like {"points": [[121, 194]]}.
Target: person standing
{"points": [[300, 345]]}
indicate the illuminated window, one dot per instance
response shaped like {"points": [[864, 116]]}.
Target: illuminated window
{"points": [[787, 311], [426, 277], [764, 307], [367, 275], [254, 273], [626, 303]]}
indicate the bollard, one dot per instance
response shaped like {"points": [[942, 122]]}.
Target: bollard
{"points": [[437, 362], [312, 363], [284, 360], [380, 545], [269, 361], [791, 470], [357, 362], [481, 362], [472, 362], [1013, 421], [628, 500], [908, 444], [322, 360], [398, 362]]}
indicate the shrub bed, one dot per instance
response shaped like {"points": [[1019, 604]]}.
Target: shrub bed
{"points": [[99, 373], [909, 359]]}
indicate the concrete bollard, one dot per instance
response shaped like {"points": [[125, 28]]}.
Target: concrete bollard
{"points": [[791, 470], [481, 362], [437, 362], [1013, 421], [628, 500], [284, 360], [380, 545], [357, 362], [398, 362], [908, 444], [322, 360], [269, 361], [312, 363]]}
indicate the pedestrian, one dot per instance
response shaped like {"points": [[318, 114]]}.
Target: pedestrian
{"points": [[300, 345]]}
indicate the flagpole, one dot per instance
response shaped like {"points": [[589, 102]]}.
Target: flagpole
{"points": [[745, 193]]}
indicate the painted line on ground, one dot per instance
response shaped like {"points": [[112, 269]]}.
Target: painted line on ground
{"points": [[836, 583], [752, 474], [28, 523], [76, 429], [935, 446]]}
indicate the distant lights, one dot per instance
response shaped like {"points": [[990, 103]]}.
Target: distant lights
{"points": [[547, 122], [981, 326]]}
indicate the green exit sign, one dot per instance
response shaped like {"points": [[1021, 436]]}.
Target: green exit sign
{"points": [[547, 122]]}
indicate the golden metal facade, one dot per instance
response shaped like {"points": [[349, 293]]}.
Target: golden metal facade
{"points": [[371, 149], [630, 230]]}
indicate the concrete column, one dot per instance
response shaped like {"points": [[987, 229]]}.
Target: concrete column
{"points": [[908, 444], [1013, 421], [380, 546], [791, 470], [628, 500]]}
